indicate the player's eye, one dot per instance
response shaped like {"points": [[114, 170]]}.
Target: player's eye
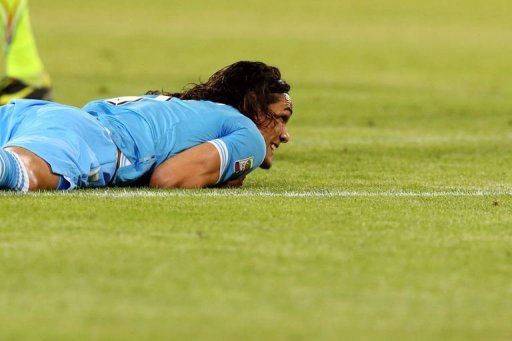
{"points": [[275, 117]]}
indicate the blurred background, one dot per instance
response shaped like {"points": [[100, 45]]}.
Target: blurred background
{"points": [[396, 63]]}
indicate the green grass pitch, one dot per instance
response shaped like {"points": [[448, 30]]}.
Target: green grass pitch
{"points": [[388, 215]]}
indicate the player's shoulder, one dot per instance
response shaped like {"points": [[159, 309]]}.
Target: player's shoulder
{"points": [[209, 106], [231, 116], [237, 122]]}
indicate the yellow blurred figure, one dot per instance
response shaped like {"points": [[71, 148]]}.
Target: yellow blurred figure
{"points": [[25, 76]]}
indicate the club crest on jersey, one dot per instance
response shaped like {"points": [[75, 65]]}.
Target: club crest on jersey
{"points": [[242, 166]]}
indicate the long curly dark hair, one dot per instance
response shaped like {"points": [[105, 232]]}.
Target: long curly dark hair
{"points": [[247, 86]]}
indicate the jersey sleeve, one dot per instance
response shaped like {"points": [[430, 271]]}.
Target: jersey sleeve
{"points": [[241, 151]]}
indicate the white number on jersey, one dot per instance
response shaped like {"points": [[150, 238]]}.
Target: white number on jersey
{"points": [[132, 99]]}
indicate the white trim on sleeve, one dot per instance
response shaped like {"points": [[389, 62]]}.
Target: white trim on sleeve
{"points": [[224, 156]]}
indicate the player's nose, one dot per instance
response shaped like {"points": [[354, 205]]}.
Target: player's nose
{"points": [[285, 135]]}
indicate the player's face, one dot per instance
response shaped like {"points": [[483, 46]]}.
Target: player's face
{"points": [[276, 132]]}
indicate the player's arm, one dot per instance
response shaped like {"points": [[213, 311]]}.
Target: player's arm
{"points": [[222, 162], [196, 167]]}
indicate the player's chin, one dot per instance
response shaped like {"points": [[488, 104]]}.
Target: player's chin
{"points": [[267, 163]]}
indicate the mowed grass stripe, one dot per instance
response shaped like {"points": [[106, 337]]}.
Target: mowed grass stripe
{"points": [[364, 140]]}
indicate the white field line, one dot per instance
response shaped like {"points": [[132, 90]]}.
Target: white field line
{"points": [[147, 193]]}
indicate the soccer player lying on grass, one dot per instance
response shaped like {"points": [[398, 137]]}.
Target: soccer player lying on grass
{"points": [[213, 134]]}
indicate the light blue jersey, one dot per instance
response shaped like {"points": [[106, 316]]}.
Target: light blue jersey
{"points": [[150, 129]]}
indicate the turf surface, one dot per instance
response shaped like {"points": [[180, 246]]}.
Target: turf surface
{"points": [[387, 216]]}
